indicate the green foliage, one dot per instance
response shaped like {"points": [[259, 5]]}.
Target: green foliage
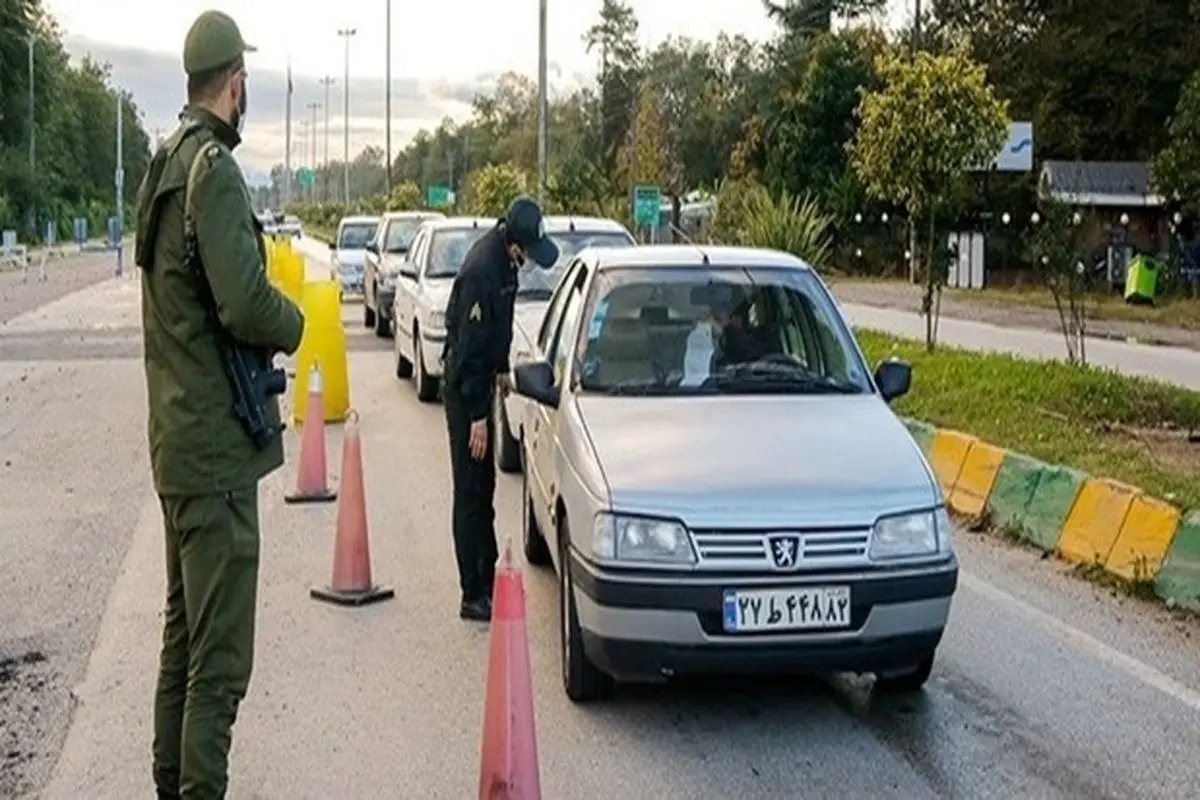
{"points": [[1054, 249], [781, 221], [492, 188], [934, 119], [1084, 417], [1177, 168], [74, 120], [405, 196]]}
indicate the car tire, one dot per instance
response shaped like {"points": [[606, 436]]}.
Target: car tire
{"points": [[368, 313], [404, 367], [533, 543], [582, 680], [907, 682], [383, 326], [425, 384], [505, 447]]}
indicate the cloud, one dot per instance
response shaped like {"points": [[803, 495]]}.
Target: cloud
{"points": [[157, 84]]}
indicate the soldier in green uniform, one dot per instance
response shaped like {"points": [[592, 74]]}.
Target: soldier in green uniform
{"points": [[206, 467]]}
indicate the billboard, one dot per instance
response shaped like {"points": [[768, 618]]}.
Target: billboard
{"points": [[1016, 154]]}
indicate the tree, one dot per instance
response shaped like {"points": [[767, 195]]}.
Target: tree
{"points": [[1176, 169], [405, 196], [645, 157], [615, 36], [490, 189], [1054, 250], [934, 119]]}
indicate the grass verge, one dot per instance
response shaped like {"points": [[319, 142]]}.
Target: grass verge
{"points": [[1096, 420], [1180, 312]]}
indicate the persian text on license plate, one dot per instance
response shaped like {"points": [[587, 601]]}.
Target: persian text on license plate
{"points": [[801, 608]]}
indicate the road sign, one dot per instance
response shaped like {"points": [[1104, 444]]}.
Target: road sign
{"points": [[305, 177], [81, 231], [1016, 154], [647, 206], [438, 197]]}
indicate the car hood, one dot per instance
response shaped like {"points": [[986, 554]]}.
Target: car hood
{"points": [[756, 461], [350, 258]]}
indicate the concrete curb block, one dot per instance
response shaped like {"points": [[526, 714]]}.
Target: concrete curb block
{"points": [[1083, 520]]}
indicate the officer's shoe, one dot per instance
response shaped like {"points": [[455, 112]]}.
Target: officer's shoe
{"points": [[476, 610]]}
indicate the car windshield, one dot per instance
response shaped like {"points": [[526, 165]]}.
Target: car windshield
{"points": [[535, 283], [672, 331], [400, 233], [447, 250], [354, 236]]}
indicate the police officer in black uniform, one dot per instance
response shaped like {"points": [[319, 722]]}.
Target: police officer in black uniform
{"points": [[479, 319]]}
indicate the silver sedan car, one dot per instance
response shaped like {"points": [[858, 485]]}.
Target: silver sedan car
{"points": [[719, 481]]}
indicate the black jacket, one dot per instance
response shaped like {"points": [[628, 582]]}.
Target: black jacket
{"points": [[479, 320]]}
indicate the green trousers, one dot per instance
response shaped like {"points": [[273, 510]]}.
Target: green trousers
{"points": [[208, 639]]}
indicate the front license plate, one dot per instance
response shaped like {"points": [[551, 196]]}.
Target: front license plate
{"points": [[802, 608]]}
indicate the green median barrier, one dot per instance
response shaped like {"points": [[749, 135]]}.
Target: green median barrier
{"points": [[1033, 499], [1178, 580], [1141, 280], [1016, 481]]}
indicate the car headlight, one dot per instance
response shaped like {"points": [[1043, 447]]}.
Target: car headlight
{"points": [[646, 540], [920, 535], [436, 320]]}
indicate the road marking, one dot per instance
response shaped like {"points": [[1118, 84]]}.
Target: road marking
{"points": [[1127, 664]]}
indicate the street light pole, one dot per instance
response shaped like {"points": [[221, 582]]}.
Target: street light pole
{"points": [[120, 182], [388, 101], [327, 81], [543, 103], [312, 189], [346, 33]]}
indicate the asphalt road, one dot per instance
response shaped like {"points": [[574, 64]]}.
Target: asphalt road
{"points": [[1045, 686]]}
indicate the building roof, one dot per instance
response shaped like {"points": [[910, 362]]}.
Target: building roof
{"points": [[1099, 183]]}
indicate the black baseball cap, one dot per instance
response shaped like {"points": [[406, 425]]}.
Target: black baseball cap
{"points": [[525, 226]]}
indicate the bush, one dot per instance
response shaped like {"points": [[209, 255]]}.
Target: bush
{"points": [[794, 225], [490, 189]]}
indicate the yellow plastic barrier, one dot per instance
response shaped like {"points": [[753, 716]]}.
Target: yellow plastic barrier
{"points": [[1095, 521], [291, 276], [324, 342], [975, 480], [1144, 539], [947, 453]]}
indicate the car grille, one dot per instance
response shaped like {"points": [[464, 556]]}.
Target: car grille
{"points": [[750, 551]]}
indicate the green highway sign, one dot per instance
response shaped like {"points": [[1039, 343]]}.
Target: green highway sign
{"points": [[306, 177], [647, 205], [438, 197]]}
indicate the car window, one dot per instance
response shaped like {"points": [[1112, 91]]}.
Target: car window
{"points": [[718, 330], [550, 321], [355, 235], [418, 243], [448, 248], [533, 282], [400, 233], [561, 348]]}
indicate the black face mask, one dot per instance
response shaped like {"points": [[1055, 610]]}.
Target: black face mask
{"points": [[239, 117]]}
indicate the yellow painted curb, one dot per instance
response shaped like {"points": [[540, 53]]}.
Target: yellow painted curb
{"points": [[976, 478], [947, 453], [1144, 539], [1095, 521]]}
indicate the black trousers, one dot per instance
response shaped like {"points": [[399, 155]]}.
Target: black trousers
{"points": [[473, 514]]}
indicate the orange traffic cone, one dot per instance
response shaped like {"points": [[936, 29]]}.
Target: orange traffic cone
{"points": [[508, 765], [351, 584], [311, 485]]}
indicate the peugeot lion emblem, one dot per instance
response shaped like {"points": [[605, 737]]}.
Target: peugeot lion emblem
{"points": [[785, 550]]}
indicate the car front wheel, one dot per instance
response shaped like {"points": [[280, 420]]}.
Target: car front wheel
{"points": [[426, 384], [537, 553], [368, 313], [582, 680]]}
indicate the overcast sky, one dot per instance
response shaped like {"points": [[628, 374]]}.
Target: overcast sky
{"points": [[442, 53]]}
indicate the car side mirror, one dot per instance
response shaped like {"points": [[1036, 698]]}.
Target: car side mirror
{"points": [[333, 246], [535, 380], [408, 269], [372, 248], [894, 379]]}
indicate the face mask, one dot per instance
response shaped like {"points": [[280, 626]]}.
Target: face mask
{"points": [[239, 119]]}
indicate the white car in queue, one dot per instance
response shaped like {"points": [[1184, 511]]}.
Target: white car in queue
{"points": [[719, 481], [348, 250], [425, 277]]}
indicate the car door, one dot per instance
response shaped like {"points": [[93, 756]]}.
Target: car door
{"points": [[406, 292], [559, 344], [371, 266]]}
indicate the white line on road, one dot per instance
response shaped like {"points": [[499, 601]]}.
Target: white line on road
{"points": [[1089, 644]]}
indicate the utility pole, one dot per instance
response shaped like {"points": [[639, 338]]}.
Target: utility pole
{"points": [[543, 103], [119, 180], [287, 141], [32, 136], [346, 33], [312, 189], [327, 81], [388, 101], [450, 168], [916, 41]]}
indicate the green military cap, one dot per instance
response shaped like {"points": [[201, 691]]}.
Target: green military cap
{"points": [[213, 41]]}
